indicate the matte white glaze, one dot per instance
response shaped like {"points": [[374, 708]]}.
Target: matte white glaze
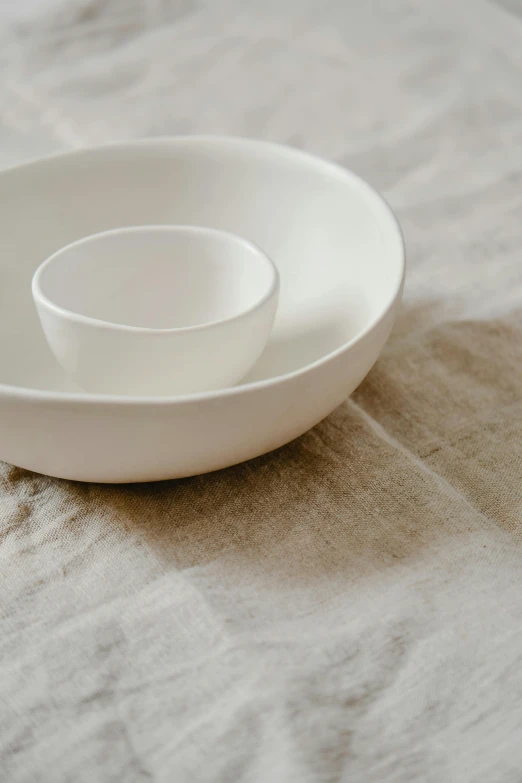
{"points": [[157, 309], [340, 257]]}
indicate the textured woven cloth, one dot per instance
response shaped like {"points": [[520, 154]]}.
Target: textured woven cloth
{"points": [[348, 608]]}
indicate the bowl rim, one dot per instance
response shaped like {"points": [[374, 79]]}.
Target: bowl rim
{"points": [[259, 146], [176, 228]]}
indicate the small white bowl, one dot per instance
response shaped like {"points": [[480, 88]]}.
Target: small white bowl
{"points": [[156, 310]]}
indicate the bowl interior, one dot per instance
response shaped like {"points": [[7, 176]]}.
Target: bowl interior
{"points": [[336, 245], [157, 277]]}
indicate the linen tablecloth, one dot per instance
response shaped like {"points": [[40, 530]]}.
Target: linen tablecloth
{"points": [[348, 608]]}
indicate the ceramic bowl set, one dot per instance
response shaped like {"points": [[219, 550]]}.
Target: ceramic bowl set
{"points": [[175, 306]]}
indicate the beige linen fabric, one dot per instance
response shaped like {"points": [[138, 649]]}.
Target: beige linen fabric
{"points": [[348, 608]]}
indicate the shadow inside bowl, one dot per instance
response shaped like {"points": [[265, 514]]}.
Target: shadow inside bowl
{"points": [[290, 350]]}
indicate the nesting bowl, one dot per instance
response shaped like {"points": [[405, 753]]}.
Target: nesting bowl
{"points": [[340, 258], [157, 310]]}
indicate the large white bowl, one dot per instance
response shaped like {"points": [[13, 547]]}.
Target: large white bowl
{"points": [[340, 256]]}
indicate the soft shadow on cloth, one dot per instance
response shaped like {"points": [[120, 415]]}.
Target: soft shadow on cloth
{"points": [[418, 456]]}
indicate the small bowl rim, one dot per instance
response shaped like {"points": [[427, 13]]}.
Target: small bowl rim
{"points": [[41, 298]]}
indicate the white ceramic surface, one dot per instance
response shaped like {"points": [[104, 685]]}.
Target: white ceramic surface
{"points": [[340, 257], [157, 309]]}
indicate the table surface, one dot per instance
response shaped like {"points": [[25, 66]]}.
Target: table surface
{"points": [[349, 607]]}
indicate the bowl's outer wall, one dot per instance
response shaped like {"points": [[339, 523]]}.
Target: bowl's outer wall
{"points": [[110, 442]]}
